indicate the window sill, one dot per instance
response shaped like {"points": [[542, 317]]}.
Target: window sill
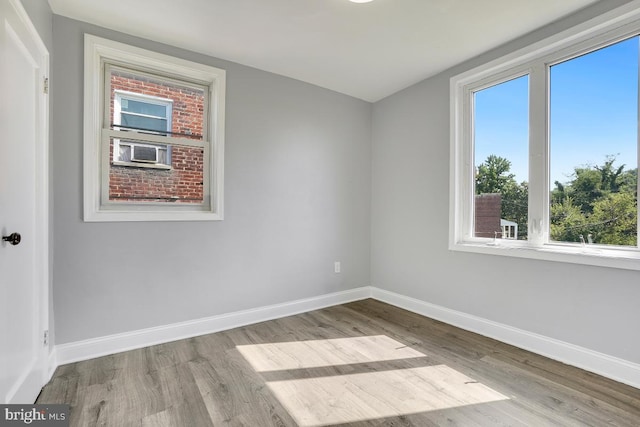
{"points": [[147, 216], [142, 165], [595, 256]]}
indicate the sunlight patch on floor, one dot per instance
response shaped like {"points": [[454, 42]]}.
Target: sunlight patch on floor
{"points": [[365, 396], [329, 352]]}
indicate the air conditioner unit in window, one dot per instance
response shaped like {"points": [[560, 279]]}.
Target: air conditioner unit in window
{"points": [[141, 153]]}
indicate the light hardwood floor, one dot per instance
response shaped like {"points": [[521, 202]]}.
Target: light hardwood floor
{"points": [[360, 364]]}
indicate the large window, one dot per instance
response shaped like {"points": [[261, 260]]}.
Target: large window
{"points": [[154, 128], [545, 148]]}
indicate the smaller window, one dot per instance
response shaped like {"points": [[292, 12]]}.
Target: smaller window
{"points": [[142, 113], [154, 136]]}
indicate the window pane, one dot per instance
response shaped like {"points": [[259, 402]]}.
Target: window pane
{"points": [[501, 153], [593, 153], [140, 122], [147, 181], [172, 106], [146, 108]]}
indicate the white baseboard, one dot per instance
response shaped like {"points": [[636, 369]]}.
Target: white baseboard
{"points": [[608, 366], [96, 347]]}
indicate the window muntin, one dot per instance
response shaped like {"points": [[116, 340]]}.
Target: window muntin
{"points": [[594, 146], [157, 122], [536, 61]]}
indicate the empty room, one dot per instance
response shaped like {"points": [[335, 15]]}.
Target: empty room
{"points": [[320, 212]]}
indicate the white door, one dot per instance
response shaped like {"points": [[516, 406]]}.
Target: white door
{"points": [[23, 206]]}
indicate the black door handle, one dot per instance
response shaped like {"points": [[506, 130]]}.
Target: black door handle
{"points": [[13, 238]]}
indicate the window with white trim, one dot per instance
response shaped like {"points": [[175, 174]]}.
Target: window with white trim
{"points": [[154, 136], [545, 142]]}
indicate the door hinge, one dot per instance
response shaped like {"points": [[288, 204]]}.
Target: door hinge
{"points": [[46, 337], [46, 85]]}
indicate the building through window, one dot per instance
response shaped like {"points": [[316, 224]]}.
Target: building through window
{"points": [[145, 171]]}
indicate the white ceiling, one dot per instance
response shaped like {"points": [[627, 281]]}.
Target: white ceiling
{"points": [[368, 50]]}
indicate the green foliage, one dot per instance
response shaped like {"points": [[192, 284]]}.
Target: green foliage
{"points": [[515, 202], [599, 201], [586, 188], [568, 222], [493, 177], [615, 221]]}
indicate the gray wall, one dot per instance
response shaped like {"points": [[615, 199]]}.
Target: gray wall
{"points": [[42, 18], [297, 198], [593, 307]]}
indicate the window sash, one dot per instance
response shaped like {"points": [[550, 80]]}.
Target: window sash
{"points": [[105, 164], [109, 66]]}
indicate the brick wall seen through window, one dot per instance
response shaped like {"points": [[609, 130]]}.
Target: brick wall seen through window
{"points": [[182, 181]]}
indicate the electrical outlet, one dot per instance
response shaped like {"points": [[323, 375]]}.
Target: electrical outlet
{"points": [[336, 267]]}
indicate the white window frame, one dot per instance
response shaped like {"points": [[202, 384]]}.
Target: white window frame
{"points": [[98, 54], [119, 95], [535, 61]]}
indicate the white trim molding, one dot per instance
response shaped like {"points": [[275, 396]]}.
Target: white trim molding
{"points": [[602, 364], [102, 346]]}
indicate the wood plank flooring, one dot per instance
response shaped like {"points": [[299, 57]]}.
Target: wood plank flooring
{"points": [[359, 364]]}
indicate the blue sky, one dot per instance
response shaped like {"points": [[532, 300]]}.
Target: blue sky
{"points": [[593, 113]]}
